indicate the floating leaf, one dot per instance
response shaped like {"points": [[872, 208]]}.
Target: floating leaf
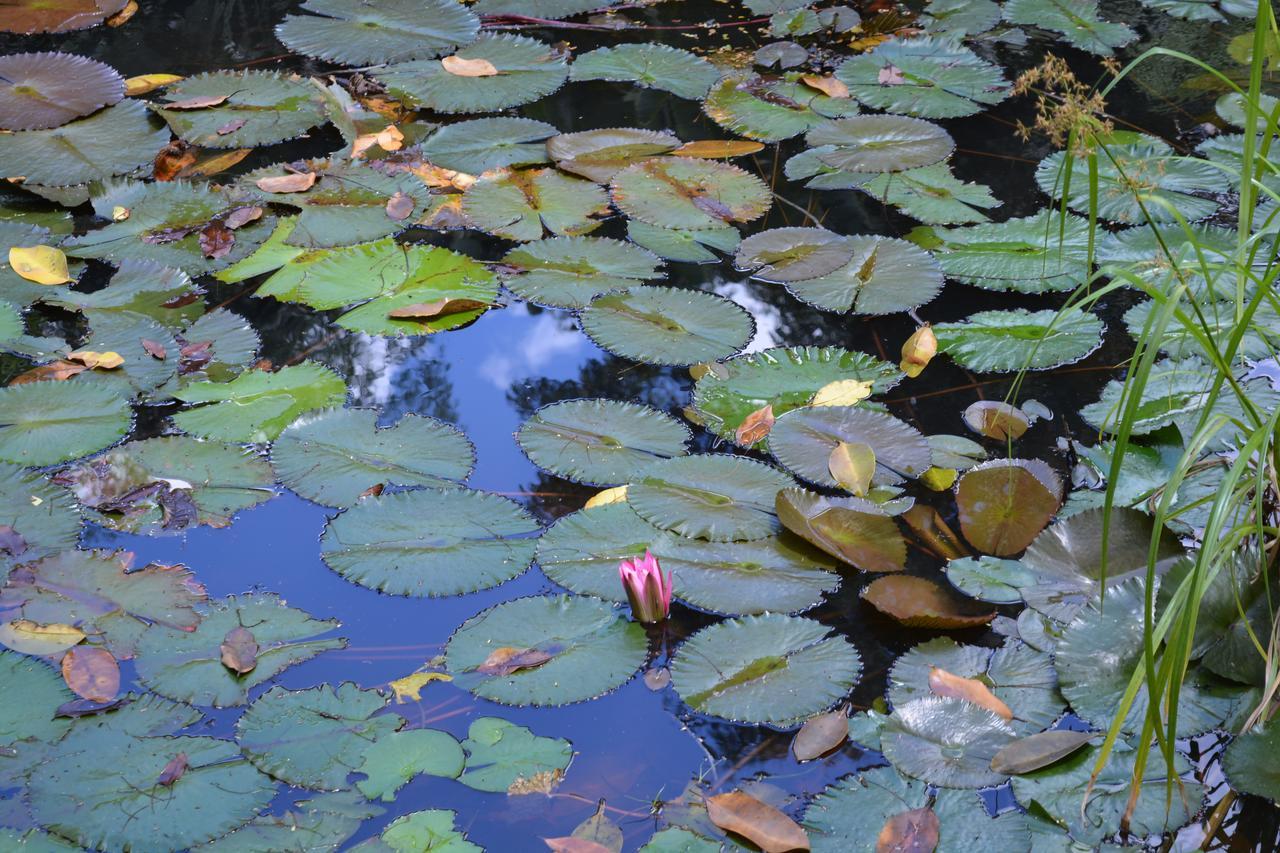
{"points": [[852, 466], [1248, 765], [600, 442], [482, 144], [110, 142], [770, 669], [854, 530], [292, 182], [261, 106], [1007, 341], [42, 691], [1076, 20], [144, 83], [566, 272], [667, 325], [44, 90], [718, 149], [994, 419], [433, 829], [709, 496], [40, 264], [239, 650], [652, 66], [92, 673], [688, 192], [39, 16], [1032, 254], [922, 603], [755, 426], [945, 742], [880, 143], [793, 254], [803, 439], [47, 422], [460, 67], [675, 244], [821, 734], [502, 755], [1004, 503], [257, 406], [519, 205], [601, 154], [595, 650], [371, 33], [930, 77], [766, 827], [32, 638], [1038, 750], [322, 820], [883, 275], [772, 109], [396, 758], [161, 293]]}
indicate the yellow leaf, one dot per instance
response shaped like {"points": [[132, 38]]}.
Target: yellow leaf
{"points": [[459, 67], [119, 213], [41, 264], [618, 494], [918, 351], [853, 466], [388, 139], [939, 479], [829, 86], [715, 149], [842, 392], [144, 83], [104, 360], [409, 688], [32, 638]]}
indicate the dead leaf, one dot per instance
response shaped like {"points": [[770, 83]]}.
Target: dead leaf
{"points": [[294, 182], [400, 206], [508, 659], [596, 834], [174, 770], [120, 213], [155, 349], [459, 67], [32, 638], [1031, 753], [409, 688], [915, 831], [934, 532], [119, 19], [921, 603], [543, 782], [768, 828], [232, 126], [939, 479], [718, 149], [755, 426], [918, 351], [842, 392], [617, 494], [216, 239], [853, 466], [91, 673], [569, 844], [55, 371], [373, 491], [87, 707], [239, 650], [438, 308], [212, 163], [144, 83], [821, 734], [388, 139], [829, 86], [242, 216], [890, 75], [40, 264], [943, 683], [997, 420], [172, 159], [201, 103], [97, 360]]}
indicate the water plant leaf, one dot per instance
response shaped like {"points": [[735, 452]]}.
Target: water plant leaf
{"points": [[217, 346], [41, 16], [921, 603], [1038, 750], [42, 519], [595, 650], [481, 144], [1005, 503], [880, 143], [600, 442], [884, 275], [689, 192], [960, 17], [854, 530], [677, 244], [475, 541], [394, 759], [852, 814], [46, 90], [110, 142], [793, 254], [717, 497], [322, 820], [946, 742], [821, 734], [1247, 763], [116, 344], [139, 287], [667, 325], [566, 272], [651, 66], [1076, 21], [500, 754], [1007, 341], [334, 457], [43, 423], [932, 194], [852, 466], [996, 419], [765, 826], [772, 669], [262, 107], [803, 438], [930, 77], [43, 690], [186, 664], [1031, 254], [373, 33], [520, 204], [430, 830], [256, 405], [601, 154], [32, 638], [772, 109], [582, 550], [527, 70], [314, 738]]}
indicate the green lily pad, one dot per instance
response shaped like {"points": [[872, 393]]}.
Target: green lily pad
{"points": [[771, 669], [945, 742], [139, 287], [1003, 504], [336, 456], [1033, 254], [430, 831], [365, 32], [123, 333], [960, 17], [1008, 341], [600, 442], [667, 325], [110, 142], [1075, 20], [932, 194], [923, 76], [481, 144], [676, 244], [709, 496], [314, 738], [591, 650], [44, 517], [601, 154], [1193, 250], [256, 405], [793, 254], [1249, 766], [394, 759], [689, 192], [566, 272], [772, 109], [856, 531], [319, 822], [527, 70], [520, 205], [581, 552], [169, 484], [474, 541], [186, 665], [258, 108], [652, 66], [884, 275], [783, 378], [42, 423], [225, 338], [45, 90], [42, 691], [803, 438], [501, 754], [881, 143]]}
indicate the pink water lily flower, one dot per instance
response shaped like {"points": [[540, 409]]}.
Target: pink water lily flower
{"points": [[647, 589]]}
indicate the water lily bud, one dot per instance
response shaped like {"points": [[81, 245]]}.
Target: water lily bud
{"points": [[648, 591], [918, 351]]}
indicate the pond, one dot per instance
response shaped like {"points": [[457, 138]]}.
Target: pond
{"points": [[326, 359]]}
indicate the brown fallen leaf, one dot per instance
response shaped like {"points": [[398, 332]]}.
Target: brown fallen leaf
{"points": [[91, 673], [890, 75], [507, 659], [438, 308], [174, 770], [829, 86], [388, 139], [172, 159], [119, 19], [155, 349], [755, 426], [921, 603], [459, 67], [214, 162], [202, 102], [718, 149], [995, 419], [242, 216], [400, 206], [373, 491], [232, 126], [821, 734], [239, 650], [943, 683], [934, 533], [760, 823], [216, 239], [294, 182], [914, 831], [569, 844], [100, 360], [54, 371]]}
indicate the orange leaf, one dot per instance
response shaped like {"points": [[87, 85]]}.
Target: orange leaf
{"points": [[829, 86], [459, 67], [506, 660], [715, 149], [915, 831], [201, 103], [758, 822], [755, 426], [209, 163], [91, 359], [294, 182], [91, 673], [569, 844], [174, 770], [119, 19], [54, 371], [943, 683], [144, 83], [438, 308], [821, 734]]}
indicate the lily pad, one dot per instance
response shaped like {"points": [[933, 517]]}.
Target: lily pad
{"points": [[600, 442], [884, 275], [793, 254], [396, 758], [652, 66], [110, 142], [520, 204], [526, 70], [923, 76], [1005, 503], [481, 144], [501, 755], [42, 692], [43, 517], [946, 742], [601, 154], [1032, 254], [682, 244], [689, 192], [369, 32], [667, 325], [770, 669], [187, 665], [921, 603], [709, 496], [1008, 341], [318, 822], [881, 143], [1076, 20], [857, 531], [256, 405], [1248, 765], [260, 107], [44, 90], [581, 552], [932, 194], [42, 423], [430, 830], [336, 456], [802, 440], [473, 540], [123, 333], [140, 287], [591, 650], [772, 109], [566, 272], [41, 16]]}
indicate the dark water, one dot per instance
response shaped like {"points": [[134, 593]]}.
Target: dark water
{"points": [[635, 744]]}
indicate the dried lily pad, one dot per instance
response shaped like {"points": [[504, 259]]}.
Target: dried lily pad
{"points": [[946, 742], [474, 541], [369, 32], [856, 531], [881, 143], [520, 204], [802, 440], [689, 192], [709, 496], [566, 272], [42, 16], [923, 76], [601, 154], [921, 603], [110, 142], [44, 90], [667, 325], [587, 648], [771, 669], [883, 275], [260, 107], [1005, 503], [42, 423], [652, 66]]}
